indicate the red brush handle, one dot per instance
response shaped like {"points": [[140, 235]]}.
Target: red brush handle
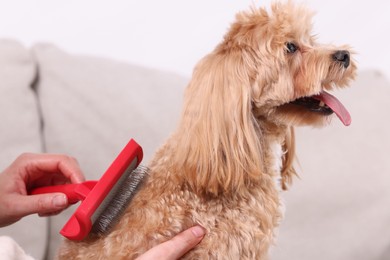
{"points": [[74, 192]]}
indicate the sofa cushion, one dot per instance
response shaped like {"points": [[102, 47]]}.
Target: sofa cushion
{"points": [[93, 106], [20, 132]]}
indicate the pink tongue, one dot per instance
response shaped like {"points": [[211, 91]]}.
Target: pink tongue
{"points": [[336, 106]]}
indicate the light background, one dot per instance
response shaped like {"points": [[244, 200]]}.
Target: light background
{"points": [[174, 34]]}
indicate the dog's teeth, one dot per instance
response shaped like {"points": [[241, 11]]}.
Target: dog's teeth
{"points": [[322, 104]]}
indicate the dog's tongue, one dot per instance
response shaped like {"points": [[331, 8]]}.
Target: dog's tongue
{"points": [[336, 106]]}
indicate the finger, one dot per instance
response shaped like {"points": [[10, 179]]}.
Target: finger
{"points": [[47, 179], [177, 246], [55, 163], [41, 204], [71, 169]]}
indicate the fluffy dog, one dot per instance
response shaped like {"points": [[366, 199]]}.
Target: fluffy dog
{"points": [[233, 149]]}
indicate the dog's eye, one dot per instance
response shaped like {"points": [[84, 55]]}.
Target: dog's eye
{"points": [[291, 47]]}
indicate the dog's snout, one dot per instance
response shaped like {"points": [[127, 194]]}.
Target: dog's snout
{"points": [[343, 57]]}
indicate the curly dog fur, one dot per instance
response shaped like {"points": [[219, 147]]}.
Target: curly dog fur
{"points": [[233, 149]]}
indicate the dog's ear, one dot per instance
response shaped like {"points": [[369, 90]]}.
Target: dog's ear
{"points": [[220, 148], [288, 171]]}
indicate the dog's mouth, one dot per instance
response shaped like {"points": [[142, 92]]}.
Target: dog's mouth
{"points": [[326, 104]]}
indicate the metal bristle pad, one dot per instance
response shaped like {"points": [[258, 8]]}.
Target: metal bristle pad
{"points": [[122, 198]]}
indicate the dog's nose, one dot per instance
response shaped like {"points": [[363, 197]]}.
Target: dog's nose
{"points": [[343, 57]]}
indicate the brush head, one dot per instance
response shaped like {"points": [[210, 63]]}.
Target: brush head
{"points": [[103, 193], [116, 206]]}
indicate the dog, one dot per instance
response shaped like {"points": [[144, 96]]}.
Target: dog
{"points": [[233, 150]]}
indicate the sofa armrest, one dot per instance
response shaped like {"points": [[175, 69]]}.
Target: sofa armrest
{"points": [[20, 132]]}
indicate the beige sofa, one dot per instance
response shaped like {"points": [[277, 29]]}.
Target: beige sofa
{"points": [[88, 107]]}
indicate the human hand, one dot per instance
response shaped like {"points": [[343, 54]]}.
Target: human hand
{"points": [[34, 170], [176, 247]]}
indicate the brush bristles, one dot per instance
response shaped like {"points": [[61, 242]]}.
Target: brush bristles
{"points": [[117, 205]]}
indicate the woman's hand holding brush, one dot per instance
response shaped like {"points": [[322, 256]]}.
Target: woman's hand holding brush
{"points": [[29, 171]]}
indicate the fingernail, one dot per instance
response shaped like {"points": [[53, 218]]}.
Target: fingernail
{"points": [[60, 201], [198, 231]]}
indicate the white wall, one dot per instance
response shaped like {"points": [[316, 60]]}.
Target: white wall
{"points": [[175, 34]]}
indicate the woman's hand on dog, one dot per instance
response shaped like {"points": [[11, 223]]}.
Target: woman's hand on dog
{"points": [[176, 247]]}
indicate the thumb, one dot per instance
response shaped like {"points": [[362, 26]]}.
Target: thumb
{"points": [[41, 204]]}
